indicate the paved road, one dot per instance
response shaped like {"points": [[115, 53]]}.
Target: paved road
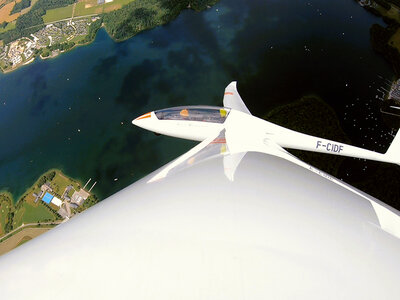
{"points": [[27, 225]]}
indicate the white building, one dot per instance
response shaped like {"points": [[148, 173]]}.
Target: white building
{"points": [[56, 201]]}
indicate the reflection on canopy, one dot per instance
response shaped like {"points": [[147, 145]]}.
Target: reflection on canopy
{"points": [[194, 113]]}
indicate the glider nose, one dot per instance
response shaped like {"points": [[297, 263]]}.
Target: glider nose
{"points": [[138, 121], [146, 121]]}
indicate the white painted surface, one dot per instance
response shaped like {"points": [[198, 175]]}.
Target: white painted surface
{"points": [[277, 231], [56, 201]]}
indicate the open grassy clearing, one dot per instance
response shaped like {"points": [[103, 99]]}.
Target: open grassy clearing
{"points": [[84, 9], [57, 14], [90, 7], [8, 27], [29, 213], [59, 183]]}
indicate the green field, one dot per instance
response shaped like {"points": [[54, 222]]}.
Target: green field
{"points": [[80, 10], [8, 27], [78, 39], [56, 14], [32, 214], [4, 210], [60, 182]]}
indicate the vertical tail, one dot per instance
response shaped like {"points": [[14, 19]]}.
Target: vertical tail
{"points": [[233, 100], [393, 153]]}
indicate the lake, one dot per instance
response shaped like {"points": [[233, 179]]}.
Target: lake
{"points": [[74, 112]]}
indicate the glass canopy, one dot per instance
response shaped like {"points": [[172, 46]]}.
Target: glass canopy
{"points": [[194, 113]]}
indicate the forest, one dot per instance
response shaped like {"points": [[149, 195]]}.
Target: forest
{"points": [[145, 14], [380, 37], [20, 6]]}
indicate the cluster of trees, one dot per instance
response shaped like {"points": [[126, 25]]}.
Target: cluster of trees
{"points": [[47, 177], [380, 37], [384, 4], [93, 28], [20, 6], [50, 4], [89, 202], [4, 202], [9, 225], [395, 2], [177, 5], [313, 116], [145, 14], [132, 18], [45, 52]]}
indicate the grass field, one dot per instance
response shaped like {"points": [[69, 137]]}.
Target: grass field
{"points": [[8, 27], [5, 207], [60, 182], [58, 14], [32, 214], [90, 7], [84, 9], [21, 237]]}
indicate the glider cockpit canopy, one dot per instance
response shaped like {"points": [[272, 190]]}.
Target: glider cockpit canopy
{"points": [[194, 113]]}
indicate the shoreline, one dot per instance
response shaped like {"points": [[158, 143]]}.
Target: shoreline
{"points": [[33, 59], [11, 196], [115, 40], [31, 210]]}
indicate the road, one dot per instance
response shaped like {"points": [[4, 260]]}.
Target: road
{"points": [[27, 225]]}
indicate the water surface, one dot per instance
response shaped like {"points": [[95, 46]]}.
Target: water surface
{"points": [[74, 112]]}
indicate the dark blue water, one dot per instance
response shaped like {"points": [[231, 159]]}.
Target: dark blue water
{"points": [[74, 112]]}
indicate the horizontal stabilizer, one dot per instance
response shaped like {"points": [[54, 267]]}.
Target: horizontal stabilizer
{"points": [[233, 100]]}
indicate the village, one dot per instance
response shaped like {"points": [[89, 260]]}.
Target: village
{"points": [[25, 49]]}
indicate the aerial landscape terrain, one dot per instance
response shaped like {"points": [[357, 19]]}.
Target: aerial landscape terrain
{"points": [[47, 28], [67, 121]]}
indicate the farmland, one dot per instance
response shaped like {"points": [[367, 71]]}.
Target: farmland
{"points": [[5, 13], [61, 13]]}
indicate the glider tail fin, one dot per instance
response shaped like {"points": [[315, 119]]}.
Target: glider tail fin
{"points": [[233, 100], [393, 153]]}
